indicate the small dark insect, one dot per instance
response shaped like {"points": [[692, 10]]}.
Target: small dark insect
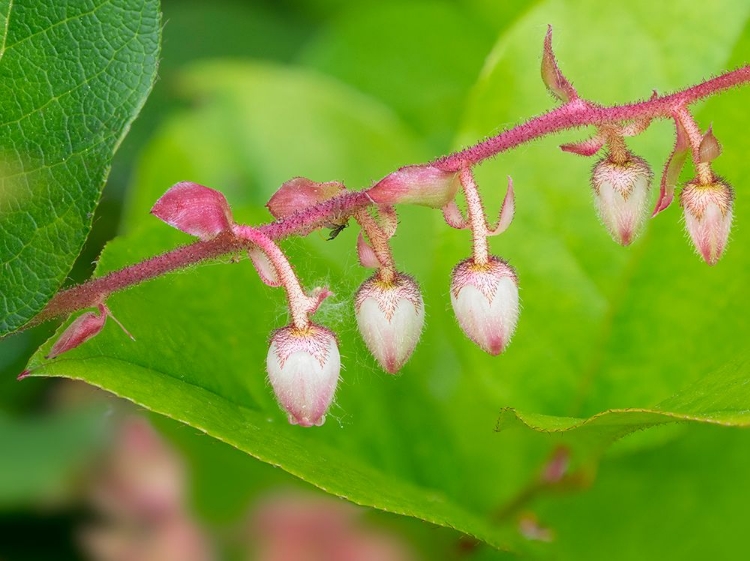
{"points": [[336, 229]]}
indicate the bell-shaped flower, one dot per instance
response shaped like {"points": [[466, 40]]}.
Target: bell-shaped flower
{"points": [[303, 368], [621, 194], [485, 301], [390, 316], [708, 217], [194, 209]]}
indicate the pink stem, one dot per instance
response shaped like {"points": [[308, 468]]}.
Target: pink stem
{"points": [[703, 169], [379, 241], [300, 305], [576, 113], [477, 220]]}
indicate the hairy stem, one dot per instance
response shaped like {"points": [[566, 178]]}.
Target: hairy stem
{"points": [[380, 246], [300, 305], [576, 113], [477, 220], [703, 169]]}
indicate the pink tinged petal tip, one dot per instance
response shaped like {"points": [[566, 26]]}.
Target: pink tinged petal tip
{"points": [[708, 217], [366, 254], [709, 149], [317, 296], [485, 302], [303, 368], [195, 210], [507, 211], [421, 185], [264, 267], [587, 147], [85, 327], [388, 220], [454, 217], [300, 193], [390, 317], [552, 76], [621, 193], [672, 169]]}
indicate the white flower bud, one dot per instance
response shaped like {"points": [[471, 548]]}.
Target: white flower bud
{"points": [[621, 193], [303, 368], [390, 317], [485, 301], [708, 217]]}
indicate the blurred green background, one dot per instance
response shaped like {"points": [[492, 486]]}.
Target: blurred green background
{"points": [[253, 93]]}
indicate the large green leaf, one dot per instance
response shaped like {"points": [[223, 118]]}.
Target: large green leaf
{"points": [[73, 75], [602, 327], [721, 398], [685, 500]]}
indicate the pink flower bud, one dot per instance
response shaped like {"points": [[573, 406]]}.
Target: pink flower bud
{"points": [[708, 217], [390, 317], [299, 193], [195, 210], [85, 327], [420, 185], [485, 301], [621, 193], [303, 368]]}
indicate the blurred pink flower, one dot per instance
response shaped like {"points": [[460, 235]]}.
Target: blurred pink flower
{"points": [[139, 492], [304, 528]]}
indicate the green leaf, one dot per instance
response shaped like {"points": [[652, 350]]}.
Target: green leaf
{"points": [[722, 398], [48, 454], [181, 369], [73, 76], [685, 500], [602, 327]]}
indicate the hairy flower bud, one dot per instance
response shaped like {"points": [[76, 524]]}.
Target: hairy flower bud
{"points": [[303, 368], [420, 185], [485, 301], [390, 316], [708, 216], [621, 193], [194, 209]]}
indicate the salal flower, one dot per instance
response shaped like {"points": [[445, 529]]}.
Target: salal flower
{"points": [[708, 216], [303, 368], [485, 301], [390, 316], [621, 192]]}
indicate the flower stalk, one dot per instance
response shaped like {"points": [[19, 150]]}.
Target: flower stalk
{"points": [[574, 114], [303, 362]]}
